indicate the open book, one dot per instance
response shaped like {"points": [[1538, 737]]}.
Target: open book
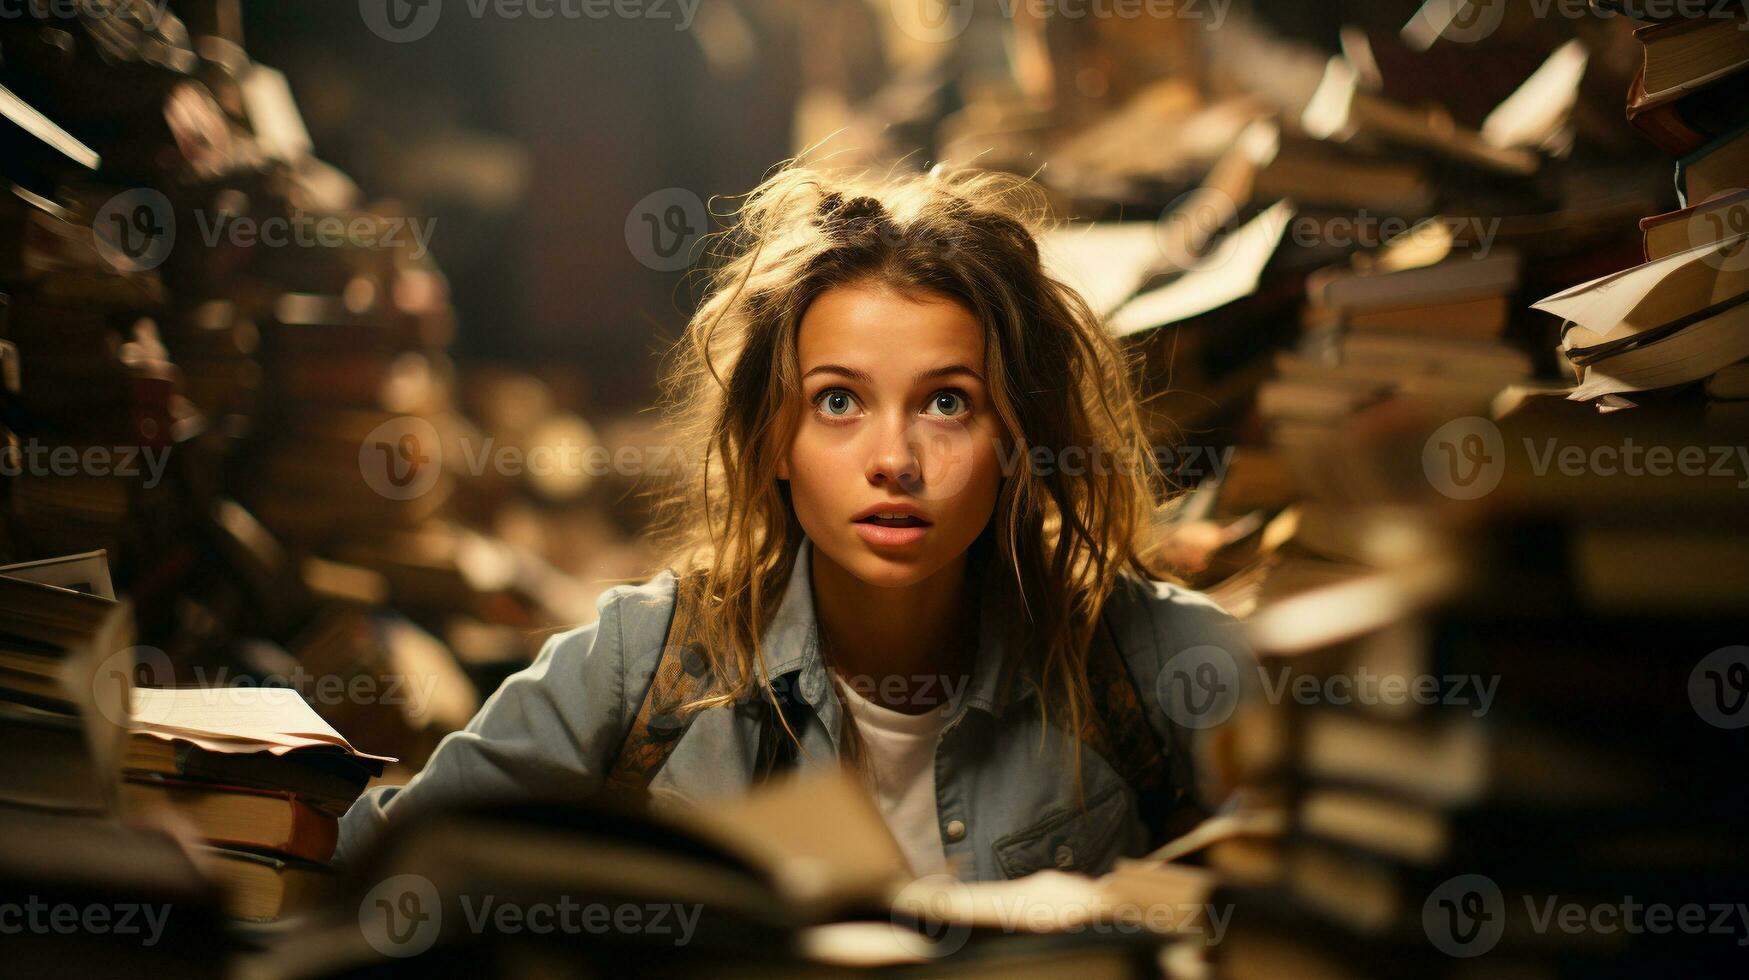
{"points": [[238, 719], [801, 872]]}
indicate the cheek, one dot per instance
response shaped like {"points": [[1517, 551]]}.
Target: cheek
{"points": [[815, 465], [965, 471]]}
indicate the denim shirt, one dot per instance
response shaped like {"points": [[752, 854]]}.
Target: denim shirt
{"points": [[1005, 796]]}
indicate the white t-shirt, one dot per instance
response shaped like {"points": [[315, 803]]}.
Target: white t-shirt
{"points": [[900, 749]]}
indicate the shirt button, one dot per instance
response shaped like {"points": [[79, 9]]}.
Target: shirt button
{"points": [[955, 830], [1065, 856]]}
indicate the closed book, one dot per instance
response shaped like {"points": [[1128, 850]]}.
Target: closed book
{"points": [[236, 816], [1682, 125], [260, 887], [1683, 56], [329, 782], [1718, 168], [1483, 318], [1698, 224]]}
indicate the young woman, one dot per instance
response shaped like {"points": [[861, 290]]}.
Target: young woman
{"points": [[913, 538]]}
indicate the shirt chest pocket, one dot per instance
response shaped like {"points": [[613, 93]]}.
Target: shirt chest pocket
{"points": [[1071, 838]]}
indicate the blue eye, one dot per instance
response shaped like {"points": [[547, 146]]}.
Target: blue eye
{"points": [[834, 402], [951, 403]]}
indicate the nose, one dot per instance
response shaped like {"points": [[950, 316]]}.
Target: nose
{"points": [[894, 458]]}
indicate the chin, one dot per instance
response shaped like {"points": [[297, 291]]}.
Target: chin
{"points": [[887, 568]]}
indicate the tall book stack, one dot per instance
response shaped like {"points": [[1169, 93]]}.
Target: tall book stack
{"points": [[1678, 321], [245, 361], [256, 775], [1291, 222], [1502, 749]]}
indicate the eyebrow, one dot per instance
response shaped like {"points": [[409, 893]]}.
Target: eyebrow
{"points": [[921, 376]]}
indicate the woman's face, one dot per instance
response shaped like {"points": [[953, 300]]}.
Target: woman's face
{"points": [[895, 417]]}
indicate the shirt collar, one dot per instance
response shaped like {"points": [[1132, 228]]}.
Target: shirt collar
{"points": [[791, 645]]}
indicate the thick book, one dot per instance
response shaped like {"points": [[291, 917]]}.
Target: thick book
{"points": [[236, 816], [1717, 168], [47, 762], [1687, 55], [262, 887], [1680, 126], [1451, 281], [328, 781], [1702, 223]]}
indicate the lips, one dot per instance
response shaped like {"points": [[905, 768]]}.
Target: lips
{"points": [[893, 513], [904, 521], [890, 526]]}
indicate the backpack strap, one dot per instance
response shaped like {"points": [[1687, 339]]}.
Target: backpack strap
{"points": [[1119, 730], [682, 676]]}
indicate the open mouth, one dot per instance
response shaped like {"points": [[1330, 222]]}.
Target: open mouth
{"points": [[900, 521]]}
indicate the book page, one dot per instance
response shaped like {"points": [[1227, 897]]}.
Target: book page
{"points": [[235, 719]]}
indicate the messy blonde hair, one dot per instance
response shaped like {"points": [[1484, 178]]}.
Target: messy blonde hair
{"points": [[1057, 542]]}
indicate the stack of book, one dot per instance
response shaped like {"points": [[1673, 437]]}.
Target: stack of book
{"points": [[1679, 318], [1209, 292], [255, 774], [1504, 738], [1392, 321], [263, 428], [65, 672]]}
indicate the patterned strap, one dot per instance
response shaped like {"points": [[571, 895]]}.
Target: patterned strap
{"points": [[682, 675], [1118, 729]]}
